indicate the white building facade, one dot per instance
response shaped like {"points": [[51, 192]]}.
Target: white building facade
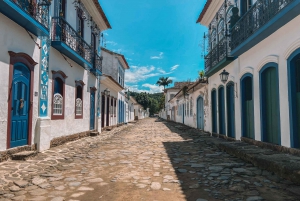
{"points": [[50, 66], [258, 44]]}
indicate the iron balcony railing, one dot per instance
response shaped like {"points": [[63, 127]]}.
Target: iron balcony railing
{"points": [[257, 16], [63, 31], [97, 62], [39, 10], [217, 54]]}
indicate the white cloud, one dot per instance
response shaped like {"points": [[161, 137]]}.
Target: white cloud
{"points": [[174, 67], [112, 43], [118, 50], [141, 73], [153, 88], [106, 34], [160, 56]]}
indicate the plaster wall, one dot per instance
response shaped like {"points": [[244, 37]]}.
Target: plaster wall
{"points": [[109, 66], [15, 38], [275, 48], [69, 125]]}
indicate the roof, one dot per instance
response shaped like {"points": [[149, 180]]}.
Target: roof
{"points": [[99, 8], [208, 2], [177, 85], [111, 78], [120, 55]]}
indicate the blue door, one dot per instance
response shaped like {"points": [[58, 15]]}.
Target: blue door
{"points": [[214, 110], [92, 111], [200, 114], [20, 106], [183, 113], [230, 110], [247, 106], [294, 93], [221, 111], [270, 105]]}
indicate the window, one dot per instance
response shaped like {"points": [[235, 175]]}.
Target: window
{"points": [[62, 8], [221, 30], [78, 99], [245, 6], [213, 39], [58, 92], [80, 23]]}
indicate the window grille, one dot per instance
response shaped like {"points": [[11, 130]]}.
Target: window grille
{"points": [[78, 106], [57, 104]]}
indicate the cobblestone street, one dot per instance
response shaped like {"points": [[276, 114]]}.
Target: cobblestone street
{"points": [[150, 160]]}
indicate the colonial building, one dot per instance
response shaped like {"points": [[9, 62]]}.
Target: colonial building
{"points": [[253, 66], [50, 68], [114, 66]]}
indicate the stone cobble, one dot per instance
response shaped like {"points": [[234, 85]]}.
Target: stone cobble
{"points": [[149, 160]]}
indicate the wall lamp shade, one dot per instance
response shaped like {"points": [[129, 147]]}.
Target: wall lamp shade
{"points": [[107, 92], [224, 76]]}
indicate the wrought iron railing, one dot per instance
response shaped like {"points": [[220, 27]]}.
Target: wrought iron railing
{"points": [[39, 10], [217, 54], [63, 31], [257, 16], [98, 62]]}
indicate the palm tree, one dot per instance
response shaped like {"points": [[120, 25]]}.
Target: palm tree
{"points": [[164, 81]]}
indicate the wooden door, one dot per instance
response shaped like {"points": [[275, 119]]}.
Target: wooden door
{"points": [[20, 103], [92, 110], [221, 111], [270, 106], [200, 114], [214, 110], [247, 108], [230, 110]]}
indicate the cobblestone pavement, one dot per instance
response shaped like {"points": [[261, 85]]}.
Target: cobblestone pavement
{"points": [[150, 160]]}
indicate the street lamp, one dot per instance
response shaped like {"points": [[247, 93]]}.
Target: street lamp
{"points": [[107, 92], [224, 76]]}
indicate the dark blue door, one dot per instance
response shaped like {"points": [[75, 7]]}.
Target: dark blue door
{"points": [[183, 113], [20, 106], [230, 110], [214, 110], [270, 105], [247, 107], [221, 111], [200, 113], [294, 90], [92, 111]]}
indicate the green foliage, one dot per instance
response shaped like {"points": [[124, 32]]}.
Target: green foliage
{"points": [[164, 81], [151, 101]]}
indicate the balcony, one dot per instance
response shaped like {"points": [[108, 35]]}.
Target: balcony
{"points": [[218, 57], [97, 65], [67, 41], [260, 21], [33, 17]]}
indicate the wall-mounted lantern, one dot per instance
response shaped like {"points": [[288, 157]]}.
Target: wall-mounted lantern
{"points": [[224, 76]]}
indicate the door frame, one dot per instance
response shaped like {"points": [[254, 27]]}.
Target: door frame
{"points": [[242, 88], [268, 65], [214, 116], [30, 63], [199, 97], [291, 98]]}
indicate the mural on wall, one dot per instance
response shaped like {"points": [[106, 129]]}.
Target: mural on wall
{"points": [[44, 77]]}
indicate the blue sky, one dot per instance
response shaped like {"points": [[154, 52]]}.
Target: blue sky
{"points": [[157, 37]]}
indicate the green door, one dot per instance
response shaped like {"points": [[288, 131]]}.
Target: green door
{"points": [[270, 106]]}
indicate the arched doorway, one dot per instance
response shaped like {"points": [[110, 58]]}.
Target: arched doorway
{"points": [[230, 110], [270, 116], [247, 106], [294, 97], [214, 110], [200, 113], [221, 104]]}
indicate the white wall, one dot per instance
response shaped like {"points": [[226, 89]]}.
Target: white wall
{"points": [[69, 125], [15, 38], [276, 48]]}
